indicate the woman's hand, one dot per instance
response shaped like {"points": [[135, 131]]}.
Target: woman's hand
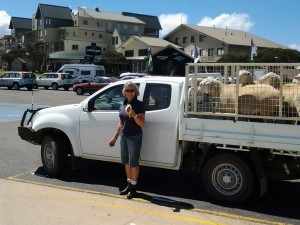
{"points": [[112, 142]]}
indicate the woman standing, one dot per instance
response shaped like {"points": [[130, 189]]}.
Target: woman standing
{"points": [[132, 119]]}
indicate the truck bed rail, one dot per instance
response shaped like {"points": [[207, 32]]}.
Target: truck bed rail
{"points": [[260, 92]]}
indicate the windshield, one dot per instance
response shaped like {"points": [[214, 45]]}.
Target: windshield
{"points": [[100, 73]]}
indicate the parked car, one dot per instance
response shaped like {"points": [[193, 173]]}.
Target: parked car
{"points": [[18, 79], [56, 80], [92, 86]]}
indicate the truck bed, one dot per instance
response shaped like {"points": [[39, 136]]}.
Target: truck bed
{"points": [[248, 116]]}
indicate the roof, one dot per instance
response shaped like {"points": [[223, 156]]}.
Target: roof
{"points": [[150, 41], [112, 16], [18, 22], [53, 11], [229, 36], [152, 22]]}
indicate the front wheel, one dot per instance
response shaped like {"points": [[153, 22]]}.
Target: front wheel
{"points": [[228, 178], [54, 86], [54, 157], [16, 86], [79, 91]]}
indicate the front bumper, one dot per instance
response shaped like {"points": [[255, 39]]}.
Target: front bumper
{"points": [[27, 133]]}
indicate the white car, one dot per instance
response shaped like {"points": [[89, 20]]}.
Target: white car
{"points": [[56, 80]]}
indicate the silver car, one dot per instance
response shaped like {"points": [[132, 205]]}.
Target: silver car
{"points": [[56, 80], [18, 79]]}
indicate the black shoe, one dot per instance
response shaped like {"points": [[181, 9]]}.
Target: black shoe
{"points": [[126, 190], [132, 192]]}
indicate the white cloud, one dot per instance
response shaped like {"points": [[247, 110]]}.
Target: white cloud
{"points": [[236, 21], [171, 21], [4, 23], [295, 46]]}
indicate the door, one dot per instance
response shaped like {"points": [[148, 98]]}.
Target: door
{"points": [[159, 146]]}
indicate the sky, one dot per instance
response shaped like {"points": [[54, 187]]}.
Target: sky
{"points": [[275, 20]]}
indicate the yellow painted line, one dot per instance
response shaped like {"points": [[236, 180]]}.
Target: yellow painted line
{"points": [[216, 213]]}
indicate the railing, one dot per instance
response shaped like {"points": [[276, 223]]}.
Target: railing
{"points": [[244, 91]]}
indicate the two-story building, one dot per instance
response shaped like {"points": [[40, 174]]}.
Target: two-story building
{"points": [[214, 42]]}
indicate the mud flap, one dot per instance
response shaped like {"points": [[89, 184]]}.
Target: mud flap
{"points": [[260, 172]]}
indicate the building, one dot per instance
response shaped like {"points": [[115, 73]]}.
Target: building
{"points": [[214, 42], [135, 50]]}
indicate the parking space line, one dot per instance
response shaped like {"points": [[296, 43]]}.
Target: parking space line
{"points": [[215, 213]]}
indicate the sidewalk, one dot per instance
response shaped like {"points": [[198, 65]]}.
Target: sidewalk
{"points": [[31, 204]]}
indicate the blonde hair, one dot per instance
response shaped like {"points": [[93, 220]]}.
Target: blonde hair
{"points": [[133, 85]]}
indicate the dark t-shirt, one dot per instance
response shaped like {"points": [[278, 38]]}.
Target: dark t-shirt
{"points": [[129, 126]]}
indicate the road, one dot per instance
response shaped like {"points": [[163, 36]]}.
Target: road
{"points": [[20, 161]]}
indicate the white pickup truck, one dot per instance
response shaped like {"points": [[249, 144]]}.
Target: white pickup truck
{"points": [[234, 154]]}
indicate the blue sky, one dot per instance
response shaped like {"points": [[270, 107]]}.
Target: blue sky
{"points": [[275, 20]]}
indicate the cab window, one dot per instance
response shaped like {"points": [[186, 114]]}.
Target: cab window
{"points": [[157, 97]]}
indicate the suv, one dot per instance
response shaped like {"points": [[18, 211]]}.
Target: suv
{"points": [[18, 79], [56, 80]]}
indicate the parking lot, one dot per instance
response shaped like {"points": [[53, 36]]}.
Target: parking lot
{"points": [[20, 161]]}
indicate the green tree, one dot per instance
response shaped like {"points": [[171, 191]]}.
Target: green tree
{"points": [[234, 57], [111, 60], [273, 55], [37, 56]]}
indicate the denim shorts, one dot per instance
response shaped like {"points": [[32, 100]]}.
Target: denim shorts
{"points": [[131, 149]]}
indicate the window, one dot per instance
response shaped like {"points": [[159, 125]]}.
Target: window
{"points": [[93, 34], [75, 34], [125, 27], [74, 47], [143, 52], [184, 39], [135, 28], [192, 39], [85, 72], [99, 24], [100, 35], [220, 51], [129, 53], [202, 52], [201, 38], [41, 22], [210, 52], [85, 22], [176, 40], [110, 99], [85, 33], [157, 97]]}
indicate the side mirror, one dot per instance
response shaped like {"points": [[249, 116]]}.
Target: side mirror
{"points": [[88, 106]]}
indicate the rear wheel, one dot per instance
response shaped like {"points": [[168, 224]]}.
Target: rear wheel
{"points": [[16, 86], [54, 86], [79, 91], [228, 178], [54, 157]]}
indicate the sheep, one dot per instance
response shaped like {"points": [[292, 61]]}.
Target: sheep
{"points": [[245, 78], [291, 97], [253, 99], [296, 79], [270, 78]]}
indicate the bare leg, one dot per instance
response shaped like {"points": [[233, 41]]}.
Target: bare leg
{"points": [[128, 171], [135, 172]]}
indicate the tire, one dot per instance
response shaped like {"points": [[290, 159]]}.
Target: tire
{"points": [[227, 178], [16, 86], [54, 157], [79, 91], [9, 87], [54, 86], [29, 88]]}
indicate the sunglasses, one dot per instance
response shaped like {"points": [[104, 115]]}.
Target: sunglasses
{"points": [[131, 91]]}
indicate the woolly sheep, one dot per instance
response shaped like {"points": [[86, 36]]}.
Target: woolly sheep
{"points": [[296, 79], [291, 95], [245, 78], [270, 78], [254, 99]]}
